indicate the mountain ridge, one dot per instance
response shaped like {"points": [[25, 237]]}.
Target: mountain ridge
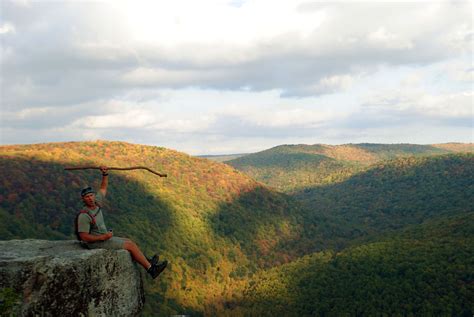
{"points": [[293, 167]]}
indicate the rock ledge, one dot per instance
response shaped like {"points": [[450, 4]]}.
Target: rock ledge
{"points": [[60, 278]]}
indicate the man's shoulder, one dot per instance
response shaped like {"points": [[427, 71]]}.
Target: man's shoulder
{"points": [[83, 214]]}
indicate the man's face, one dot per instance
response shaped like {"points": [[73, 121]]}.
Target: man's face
{"points": [[89, 199]]}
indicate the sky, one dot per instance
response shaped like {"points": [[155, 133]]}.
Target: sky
{"points": [[236, 76]]}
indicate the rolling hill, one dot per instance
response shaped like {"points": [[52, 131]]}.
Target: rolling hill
{"points": [[404, 231], [221, 158], [215, 224], [389, 196], [294, 167], [426, 270], [379, 217]]}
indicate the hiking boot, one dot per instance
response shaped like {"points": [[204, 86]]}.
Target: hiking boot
{"points": [[156, 269], [153, 259]]}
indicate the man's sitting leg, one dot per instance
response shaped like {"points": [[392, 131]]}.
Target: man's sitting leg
{"points": [[154, 269], [137, 255]]}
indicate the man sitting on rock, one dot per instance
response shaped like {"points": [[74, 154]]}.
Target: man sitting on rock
{"points": [[93, 233]]}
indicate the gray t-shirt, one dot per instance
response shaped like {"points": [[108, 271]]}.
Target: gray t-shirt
{"points": [[85, 223]]}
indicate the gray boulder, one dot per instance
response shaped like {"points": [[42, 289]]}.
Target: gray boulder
{"points": [[60, 278]]}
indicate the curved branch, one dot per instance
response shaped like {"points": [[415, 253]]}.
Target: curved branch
{"points": [[115, 168]]}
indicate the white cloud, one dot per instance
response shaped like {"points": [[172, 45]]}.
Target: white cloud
{"points": [[200, 124], [412, 80], [148, 116], [386, 39], [332, 84], [30, 112], [156, 76], [294, 47], [418, 104], [125, 69], [22, 3], [117, 114], [298, 118], [458, 70], [460, 38], [131, 119], [7, 28], [457, 105], [211, 22]]}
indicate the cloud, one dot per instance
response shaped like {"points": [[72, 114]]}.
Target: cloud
{"points": [[259, 71], [326, 85], [7, 28], [458, 70], [383, 38], [152, 77], [135, 118], [291, 117], [399, 107], [63, 52]]}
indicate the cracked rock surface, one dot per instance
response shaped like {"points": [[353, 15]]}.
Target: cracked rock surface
{"points": [[60, 278]]}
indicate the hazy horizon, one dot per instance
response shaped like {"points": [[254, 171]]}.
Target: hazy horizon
{"points": [[242, 153]]}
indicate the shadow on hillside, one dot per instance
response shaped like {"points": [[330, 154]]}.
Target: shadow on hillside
{"points": [[263, 222], [270, 226], [396, 276], [391, 195], [279, 160], [391, 151], [40, 200]]}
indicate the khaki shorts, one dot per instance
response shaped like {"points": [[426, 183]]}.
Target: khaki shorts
{"points": [[114, 243]]}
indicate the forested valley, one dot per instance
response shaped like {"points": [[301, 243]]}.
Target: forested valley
{"points": [[363, 229]]}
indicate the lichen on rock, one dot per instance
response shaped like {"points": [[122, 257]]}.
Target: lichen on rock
{"points": [[60, 278]]}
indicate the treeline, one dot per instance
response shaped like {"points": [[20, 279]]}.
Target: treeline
{"points": [[389, 196], [220, 228], [425, 271], [296, 167], [215, 225]]}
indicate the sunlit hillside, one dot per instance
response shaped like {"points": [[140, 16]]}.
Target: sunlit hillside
{"points": [[237, 247], [214, 224], [293, 167]]}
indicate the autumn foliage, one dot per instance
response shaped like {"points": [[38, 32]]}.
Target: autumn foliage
{"points": [[365, 229]]}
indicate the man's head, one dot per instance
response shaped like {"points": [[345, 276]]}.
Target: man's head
{"points": [[88, 196]]}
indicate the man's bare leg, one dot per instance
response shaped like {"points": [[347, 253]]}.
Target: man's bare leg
{"points": [[137, 255]]}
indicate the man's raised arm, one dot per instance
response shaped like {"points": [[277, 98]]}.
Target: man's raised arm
{"points": [[105, 180]]}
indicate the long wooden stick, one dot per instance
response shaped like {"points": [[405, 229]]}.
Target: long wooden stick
{"points": [[115, 168]]}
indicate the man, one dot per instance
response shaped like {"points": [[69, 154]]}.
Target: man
{"points": [[93, 232]]}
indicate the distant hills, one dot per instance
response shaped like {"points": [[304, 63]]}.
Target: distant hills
{"points": [[222, 158], [354, 229], [293, 167], [395, 237], [389, 196]]}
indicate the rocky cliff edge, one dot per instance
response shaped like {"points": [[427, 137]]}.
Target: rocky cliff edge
{"points": [[60, 278]]}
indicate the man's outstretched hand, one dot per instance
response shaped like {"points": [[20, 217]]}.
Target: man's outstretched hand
{"points": [[104, 170]]}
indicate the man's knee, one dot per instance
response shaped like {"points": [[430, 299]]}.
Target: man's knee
{"points": [[129, 245]]}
